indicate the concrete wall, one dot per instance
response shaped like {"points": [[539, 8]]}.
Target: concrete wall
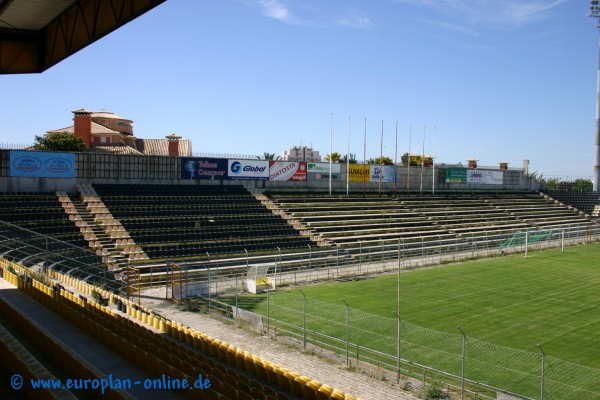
{"points": [[132, 169]]}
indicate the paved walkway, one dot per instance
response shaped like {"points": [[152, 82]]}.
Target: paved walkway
{"points": [[324, 371]]}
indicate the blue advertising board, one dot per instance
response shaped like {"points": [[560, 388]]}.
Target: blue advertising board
{"points": [[248, 169], [38, 164], [203, 168]]}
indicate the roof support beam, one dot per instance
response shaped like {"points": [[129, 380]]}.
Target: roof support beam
{"points": [[80, 25]]}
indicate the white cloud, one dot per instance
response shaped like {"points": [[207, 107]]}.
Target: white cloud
{"points": [[276, 10], [312, 14], [500, 14], [359, 20], [452, 27]]}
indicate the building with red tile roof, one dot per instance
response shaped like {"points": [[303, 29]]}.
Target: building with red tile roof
{"points": [[106, 132]]}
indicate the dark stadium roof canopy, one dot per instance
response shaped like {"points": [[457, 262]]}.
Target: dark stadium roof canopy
{"points": [[37, 34]]}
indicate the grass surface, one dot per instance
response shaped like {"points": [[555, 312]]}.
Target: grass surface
{"points": [[551, 298]]}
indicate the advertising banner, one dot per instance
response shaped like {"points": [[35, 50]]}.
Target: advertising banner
{"points": [[484, 177], [320, 171], [248, 169], [323, 168], [386, 172], [287, 171], [42, 164], [359, 173], [203, 168], [456, 175]]}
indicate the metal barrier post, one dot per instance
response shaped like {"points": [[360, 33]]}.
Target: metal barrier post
{"points": [[268, 310], [347, 332], [543, 370], [462, 362], [303, 320]]}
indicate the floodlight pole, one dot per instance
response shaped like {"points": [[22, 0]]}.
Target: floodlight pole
{"points": [[595, 13]]}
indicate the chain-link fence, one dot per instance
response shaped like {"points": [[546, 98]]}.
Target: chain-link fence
{"points": [[383, 346], [394, 349]]}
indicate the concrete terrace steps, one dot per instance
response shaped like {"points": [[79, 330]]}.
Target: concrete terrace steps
{"points": [[357, 218], [377, 237], [375, 224]]}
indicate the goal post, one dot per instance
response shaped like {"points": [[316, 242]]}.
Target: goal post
{"points": [[257, 279], [523, 240]]}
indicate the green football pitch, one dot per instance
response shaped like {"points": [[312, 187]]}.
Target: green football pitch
{"points": [[550, 298]]}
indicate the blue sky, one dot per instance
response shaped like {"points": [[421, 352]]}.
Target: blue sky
{"points": [[495, 80]]}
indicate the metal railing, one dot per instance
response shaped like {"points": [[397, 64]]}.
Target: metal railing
{"points": [[393, 349]]}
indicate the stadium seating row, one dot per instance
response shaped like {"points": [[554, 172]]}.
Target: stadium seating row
{"points": [[182, 221], [183, 353], [351, 220]]}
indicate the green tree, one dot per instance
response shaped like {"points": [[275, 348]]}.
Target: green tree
{"points": [[551, 184], [59, 141], [416, 160], [269, 156], [344, 159], [380, 160], [582, 185], [335, 157]]}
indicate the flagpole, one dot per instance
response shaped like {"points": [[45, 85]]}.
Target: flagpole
{"points": [[396, 161], [433, 162], [422, 162], [381, 158], [330, 149], [409, 160], [365, 157], [348, 162]]}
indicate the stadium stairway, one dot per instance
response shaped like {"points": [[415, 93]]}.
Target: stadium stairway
{"points": [[114, 241], [294, 222]]}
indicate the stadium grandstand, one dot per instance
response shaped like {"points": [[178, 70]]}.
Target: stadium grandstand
{"points": [[110, 236], [116, 244]]}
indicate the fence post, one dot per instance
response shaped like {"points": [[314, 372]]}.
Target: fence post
{"points": [[359, 257], [337, 261], [186, 281], [455, 255], [303, 320], [279, 267], [422, 252], [166, 279], [487, 244], [235, 320], [440, 248], [208, 269], [347, 332], [462, 362], [543, 370], [309, 260], [47, 264], [268, 311], [398, 314], [398, 350]]}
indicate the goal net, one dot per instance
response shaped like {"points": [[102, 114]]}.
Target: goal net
{"points": [[523, 241], [257, 279]]}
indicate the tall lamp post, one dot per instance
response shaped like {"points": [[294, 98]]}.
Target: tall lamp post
{"points": [[595, 13]]}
